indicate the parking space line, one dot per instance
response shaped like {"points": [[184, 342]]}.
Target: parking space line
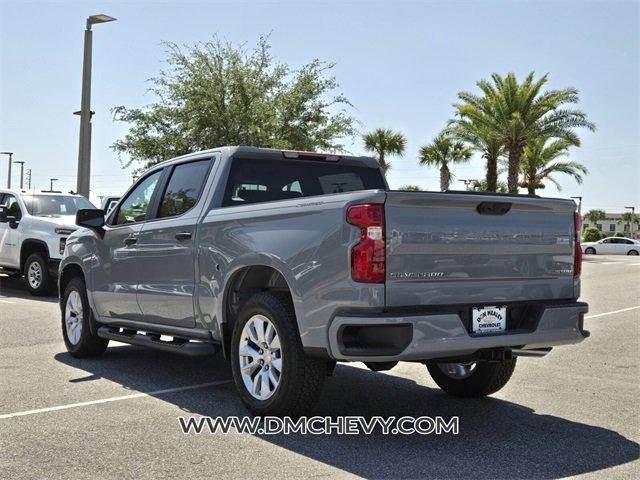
{"points": [[611, 313], [112, 399], [5, 301]]}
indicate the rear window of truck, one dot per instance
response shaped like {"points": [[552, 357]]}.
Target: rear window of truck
{"points": [[256, 181]]}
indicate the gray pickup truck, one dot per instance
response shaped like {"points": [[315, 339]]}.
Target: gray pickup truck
{"points": [[288, 262]]}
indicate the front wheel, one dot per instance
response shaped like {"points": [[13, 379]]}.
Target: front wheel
{"points": [[36, 274], [270, 369], [590, 251], [473, 379], [76, 316]]}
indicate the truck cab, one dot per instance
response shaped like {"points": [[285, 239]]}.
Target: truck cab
{"points": [[34, 227]]}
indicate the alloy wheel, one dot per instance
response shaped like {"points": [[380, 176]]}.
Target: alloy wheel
{"points": [[34, 275], [73, 317], [260, 357]]}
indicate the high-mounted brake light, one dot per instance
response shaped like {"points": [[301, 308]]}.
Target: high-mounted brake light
{"points": [[310, 156], [368, 255], [577, 257]]}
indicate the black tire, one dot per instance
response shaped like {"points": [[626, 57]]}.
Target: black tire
{"points": [[632, 252], [486, 378], [590, 251], [89, 344], [301, 377], [41, 265]]}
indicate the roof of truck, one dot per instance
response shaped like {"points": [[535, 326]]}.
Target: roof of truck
{"points": [[278, 154]]}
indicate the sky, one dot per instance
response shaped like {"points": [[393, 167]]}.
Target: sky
{"points": [[401, 64]]}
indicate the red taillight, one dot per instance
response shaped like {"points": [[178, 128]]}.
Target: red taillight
{"points": [[368, 256], [577, 259]]}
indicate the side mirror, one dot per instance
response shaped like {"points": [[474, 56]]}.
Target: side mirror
{"points": [[3, 214], [13, 223], [92, 218]]}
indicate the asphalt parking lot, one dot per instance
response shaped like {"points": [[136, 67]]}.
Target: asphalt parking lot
{"points": [[575, 412]]}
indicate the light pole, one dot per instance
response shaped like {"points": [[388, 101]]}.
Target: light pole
{"points": [[9, 174], [84, 148], [21, 173], [579, 204], [51, 180]]}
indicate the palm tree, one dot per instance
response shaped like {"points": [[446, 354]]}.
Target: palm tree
{"points": [[482, 186], [486, 142], [518, 113], [540, 160], [594, 216], [444, 150], [384, 142]]}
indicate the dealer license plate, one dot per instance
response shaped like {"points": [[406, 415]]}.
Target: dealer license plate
{"points": [[489, 319]]}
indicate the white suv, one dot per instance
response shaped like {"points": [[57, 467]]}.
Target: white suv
{"points": [[33, 230]]}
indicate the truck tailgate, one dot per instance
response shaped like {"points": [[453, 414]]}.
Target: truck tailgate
{"points": [[457, 248]]}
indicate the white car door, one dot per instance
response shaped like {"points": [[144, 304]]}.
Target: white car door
{"points": [[9, 237], [605, 247], [619, 246]]}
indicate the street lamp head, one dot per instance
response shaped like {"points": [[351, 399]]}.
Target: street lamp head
{"points": [[21, 162], [101, 18], [6, 153]]}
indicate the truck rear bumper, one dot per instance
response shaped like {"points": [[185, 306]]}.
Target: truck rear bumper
{"points": [[416, 337]]}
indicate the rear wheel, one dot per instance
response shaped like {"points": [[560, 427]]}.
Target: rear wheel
{"points": [[36, 274], [472, 379], [632, 252], [76, 316], [590, 251], [270, 369]]}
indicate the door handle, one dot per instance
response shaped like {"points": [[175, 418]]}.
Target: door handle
{"points": [[130, 241], [182, 236]]}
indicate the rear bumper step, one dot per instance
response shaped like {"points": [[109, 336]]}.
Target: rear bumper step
{"points": [[153, 340], [419, 337]]}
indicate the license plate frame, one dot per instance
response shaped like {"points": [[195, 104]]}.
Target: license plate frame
{"points": [[489, 319]]}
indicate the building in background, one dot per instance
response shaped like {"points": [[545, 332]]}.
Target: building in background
{"points": [[612, 224]]}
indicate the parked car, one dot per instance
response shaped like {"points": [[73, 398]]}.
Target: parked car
{"points": [[612, 246], [108, 203], [288, 262], [33, 231]]}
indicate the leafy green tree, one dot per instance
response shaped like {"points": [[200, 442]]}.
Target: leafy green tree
{"points": [[539, 162], [595, 216], [443, 151], [619, 234], [484, 141], [591, 234], [384, 143], [482, 186], [215, 93], [410, 188], [519, 112]]}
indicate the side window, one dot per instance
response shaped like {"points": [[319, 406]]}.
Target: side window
{"points": [[13, 207], [184, 188], [135, 207], [606, 240]]}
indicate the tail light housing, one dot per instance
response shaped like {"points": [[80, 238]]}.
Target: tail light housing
{"points": [[368, 255], [577, 258]]}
